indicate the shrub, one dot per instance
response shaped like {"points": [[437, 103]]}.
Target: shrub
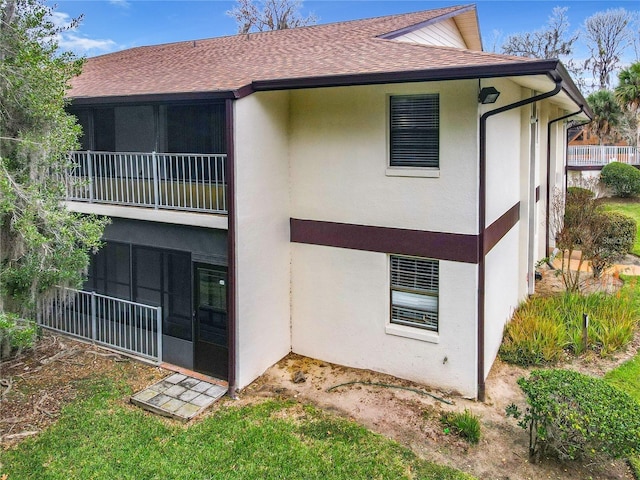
{"points": [[579, 192], [624, 179], [536, 335], [574, 231], [465, 424], [614, 236], [573, 416], [15, 334], [542, 329]]}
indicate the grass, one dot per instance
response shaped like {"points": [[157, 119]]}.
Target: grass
{"points": [[464, 424], [100, 437], [627, 378], [544, 329], [630, 209]]}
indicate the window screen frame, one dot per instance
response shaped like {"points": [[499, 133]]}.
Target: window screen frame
{"points": [[397, 165], [433, 264]]}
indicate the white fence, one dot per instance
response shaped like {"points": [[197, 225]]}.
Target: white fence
{"points": [[177, 181], [597, 156], [120, 324]]}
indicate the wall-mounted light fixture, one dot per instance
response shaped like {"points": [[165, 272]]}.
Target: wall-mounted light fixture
{"points": [[488, 95]]}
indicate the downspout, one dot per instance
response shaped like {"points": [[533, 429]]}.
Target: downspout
{"points": [[231, 248], [547, 213], [482, 221], [566, 177]]}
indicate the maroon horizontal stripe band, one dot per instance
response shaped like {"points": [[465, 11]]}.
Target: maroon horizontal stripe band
{"points": [[442, 246], [456, 247], [498, 229]]}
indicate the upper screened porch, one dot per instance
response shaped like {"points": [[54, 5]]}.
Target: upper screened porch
{"points": [[161, 156]]}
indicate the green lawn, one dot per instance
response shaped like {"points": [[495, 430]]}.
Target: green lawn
{"points": [[100, 437], [632, 209], [627, 378]]}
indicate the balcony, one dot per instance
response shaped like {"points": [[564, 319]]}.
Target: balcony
{"points": [[594, 157], [171, 181]]}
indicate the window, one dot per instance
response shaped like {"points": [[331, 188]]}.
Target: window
{"points": [[414, 292], [415, 131]]}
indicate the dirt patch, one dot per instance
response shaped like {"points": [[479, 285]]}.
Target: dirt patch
{"points": [[412, 418], [37, 384]]}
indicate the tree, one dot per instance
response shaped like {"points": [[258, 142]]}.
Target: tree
{"points": [[628, 93], [42, 244], [571, 222], [607, 35], [552, 41], [607, 115], [269, 15]]}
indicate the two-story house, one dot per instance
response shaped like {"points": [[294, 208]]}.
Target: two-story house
{"points": [[352, 192]]}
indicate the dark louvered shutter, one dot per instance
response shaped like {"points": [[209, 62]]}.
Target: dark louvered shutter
{"points": [[415, 135]]}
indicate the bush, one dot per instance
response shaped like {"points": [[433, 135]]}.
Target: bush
{"points": [[616, 234], [574, 416], [579, 193], [536, 335], [624, 179], [543, 329], [465, 424], [15, 334]]}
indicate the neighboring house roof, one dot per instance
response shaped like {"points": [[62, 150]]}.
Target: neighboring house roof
{"points": [[375, 50], [585, 137]]}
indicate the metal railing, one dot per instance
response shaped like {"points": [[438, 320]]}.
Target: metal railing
{"points": [[120, 324], [596, 155], [176, 181]]}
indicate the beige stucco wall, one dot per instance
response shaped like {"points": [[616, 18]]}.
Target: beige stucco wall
{"points": [[340, 298], [503, 288], [339, 157], [262, 216], [504, 152], [340, 307], [322, 154]]}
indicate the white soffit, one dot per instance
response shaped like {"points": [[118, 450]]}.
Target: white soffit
{"points": [[467, 23], [458, 30], [443, 34], [541, 84]]}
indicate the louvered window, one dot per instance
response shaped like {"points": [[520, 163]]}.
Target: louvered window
{"points": [[415, 131], [414, 292]]}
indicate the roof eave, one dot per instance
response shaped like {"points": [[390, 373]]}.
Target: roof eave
{"points": [[540, 67], [155, 97]]}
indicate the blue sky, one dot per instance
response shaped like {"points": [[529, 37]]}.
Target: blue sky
{"points": [[110, 25]]}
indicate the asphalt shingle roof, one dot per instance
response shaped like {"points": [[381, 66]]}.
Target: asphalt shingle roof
{"points": [[229, 63]]}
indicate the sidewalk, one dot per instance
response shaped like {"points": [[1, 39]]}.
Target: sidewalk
{"points": [[617, 269]]}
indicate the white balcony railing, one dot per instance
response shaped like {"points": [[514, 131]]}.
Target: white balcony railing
{"points": [[598, 156], [177, 181]]}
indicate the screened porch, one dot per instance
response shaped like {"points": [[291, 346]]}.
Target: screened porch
{"points": [[161, 156]]}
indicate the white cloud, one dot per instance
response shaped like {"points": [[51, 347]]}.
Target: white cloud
{"points": [[83, 45], [120, 3], [61, 19]]}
